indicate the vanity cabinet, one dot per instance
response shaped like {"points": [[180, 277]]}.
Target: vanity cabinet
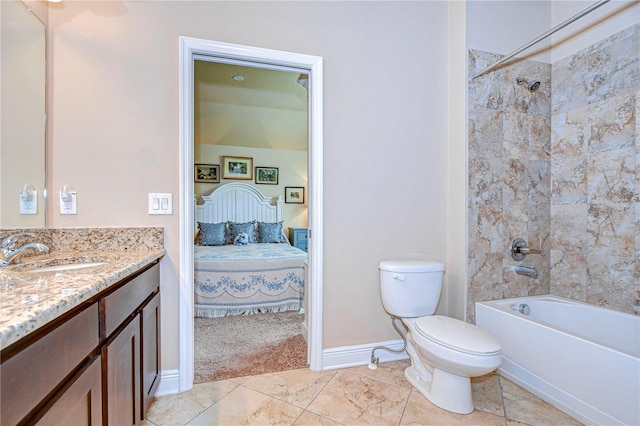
{"points": [[31, 374], [97, 364], [81, 402], [150, 356], [131, 353], [121, 381]]}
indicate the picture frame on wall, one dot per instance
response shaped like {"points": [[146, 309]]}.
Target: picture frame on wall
{"points": [[267, 175], [237, 168], [206, 173], [294, 194]]}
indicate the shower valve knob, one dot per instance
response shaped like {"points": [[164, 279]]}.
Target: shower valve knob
{"points": [[519, 249]]}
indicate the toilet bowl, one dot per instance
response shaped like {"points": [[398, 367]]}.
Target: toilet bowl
{"points": [[441, 367], [445, 352]]}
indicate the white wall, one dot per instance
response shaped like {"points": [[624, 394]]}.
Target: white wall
{"points": [[114, 130], [292, 171], [504, 26], [455, 292], [597, 25], [22, 134]]}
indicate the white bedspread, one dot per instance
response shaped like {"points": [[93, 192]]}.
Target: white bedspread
{"points": [[233, 280]]}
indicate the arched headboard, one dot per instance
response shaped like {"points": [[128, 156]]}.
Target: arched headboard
{"points": [[238, 202]]}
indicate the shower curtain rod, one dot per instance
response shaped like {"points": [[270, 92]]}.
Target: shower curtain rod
{"points": [[540, 38]]}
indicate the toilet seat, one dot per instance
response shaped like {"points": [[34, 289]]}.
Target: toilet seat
{"points": [[457, 335]]}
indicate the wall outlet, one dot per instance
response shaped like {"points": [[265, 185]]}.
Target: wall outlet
{"points": [[69, 206], [29, 206], [160, 203]]}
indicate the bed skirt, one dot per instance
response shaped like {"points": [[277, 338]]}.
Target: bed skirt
{"points": [[264, 281], [242, 293], [214, 312]]}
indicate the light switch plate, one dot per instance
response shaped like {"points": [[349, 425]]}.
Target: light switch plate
{"points": [[160, 203]]}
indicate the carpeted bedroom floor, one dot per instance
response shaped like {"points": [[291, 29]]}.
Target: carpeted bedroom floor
{"points": [[245, 345]]}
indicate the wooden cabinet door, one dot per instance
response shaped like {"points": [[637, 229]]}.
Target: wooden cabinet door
{"points": [[150, 351], [121, 376], [31, 374], [81, 403]]}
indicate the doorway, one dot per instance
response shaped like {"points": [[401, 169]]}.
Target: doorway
{"points": [[190, 49], [259, 113]]}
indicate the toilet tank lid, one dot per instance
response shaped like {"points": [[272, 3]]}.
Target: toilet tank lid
{"points": [[411, 266]]}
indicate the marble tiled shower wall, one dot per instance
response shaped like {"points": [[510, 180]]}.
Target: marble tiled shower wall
{"points": [[595, 209], [557, 167], [509, 177]]}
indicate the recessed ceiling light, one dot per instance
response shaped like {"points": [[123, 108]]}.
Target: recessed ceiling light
{"points": [[238, 77]]}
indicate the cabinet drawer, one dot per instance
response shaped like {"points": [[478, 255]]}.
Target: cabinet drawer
{"points": [[29, 376], [122, 303]]}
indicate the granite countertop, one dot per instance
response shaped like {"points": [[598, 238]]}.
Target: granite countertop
{"points": [[31, 299]]}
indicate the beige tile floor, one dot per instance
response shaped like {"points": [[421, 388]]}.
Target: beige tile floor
{"points": [[351, 396]]}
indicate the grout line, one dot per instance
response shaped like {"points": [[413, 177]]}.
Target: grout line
{"points": [[406, 404], [333, 376], [237, 385], [504, 408]]}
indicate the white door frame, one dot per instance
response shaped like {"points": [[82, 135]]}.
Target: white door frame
{"points": [[189, 48]]}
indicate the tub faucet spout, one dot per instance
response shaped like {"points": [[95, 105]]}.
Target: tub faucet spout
{"points": [[526, 271]]}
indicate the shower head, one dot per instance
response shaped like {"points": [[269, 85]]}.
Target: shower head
{"points": [[531, 86]]}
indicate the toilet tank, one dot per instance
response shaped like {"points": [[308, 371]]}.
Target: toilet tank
{"points": [[410, 288]]}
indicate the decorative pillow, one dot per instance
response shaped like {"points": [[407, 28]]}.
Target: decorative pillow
{"points": [[235, 229], [269, 232], [212, 234]]}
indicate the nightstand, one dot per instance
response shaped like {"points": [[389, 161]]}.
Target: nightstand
{"points": [[298, 238]]}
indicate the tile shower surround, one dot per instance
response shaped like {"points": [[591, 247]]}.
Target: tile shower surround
{"points": [[558, 167]]}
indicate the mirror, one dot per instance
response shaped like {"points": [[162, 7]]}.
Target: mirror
{"points": [[22, 116]]}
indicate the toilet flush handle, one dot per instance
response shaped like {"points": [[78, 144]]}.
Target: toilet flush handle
{"points": [[398, 277]]}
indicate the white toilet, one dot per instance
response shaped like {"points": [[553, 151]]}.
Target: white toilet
{"points": [[445, 352]]}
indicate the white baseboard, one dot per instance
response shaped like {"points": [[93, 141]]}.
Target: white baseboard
{"points": [[332, 359], [169, 382], [353, 356]]}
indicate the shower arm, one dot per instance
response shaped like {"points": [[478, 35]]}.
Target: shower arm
{"points": [[540, 38]]}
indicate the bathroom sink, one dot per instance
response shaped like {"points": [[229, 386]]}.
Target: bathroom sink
{"points": [[61, 263], [67, 266]]}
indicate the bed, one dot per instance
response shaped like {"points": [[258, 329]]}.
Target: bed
{"points": [[232, 279]]}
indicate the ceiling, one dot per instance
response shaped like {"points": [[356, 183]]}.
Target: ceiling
{"points": [[267, 109]]}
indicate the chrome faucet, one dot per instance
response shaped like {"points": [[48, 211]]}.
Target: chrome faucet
{"points": [[526, 271], [10, 254], [519, 249]]}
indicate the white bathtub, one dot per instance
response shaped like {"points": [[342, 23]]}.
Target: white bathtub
{"points": [[582, 359]]}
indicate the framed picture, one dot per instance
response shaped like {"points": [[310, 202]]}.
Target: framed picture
{"points": [[237, 168], [207, 173], [267, 175], [294, 194]]}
